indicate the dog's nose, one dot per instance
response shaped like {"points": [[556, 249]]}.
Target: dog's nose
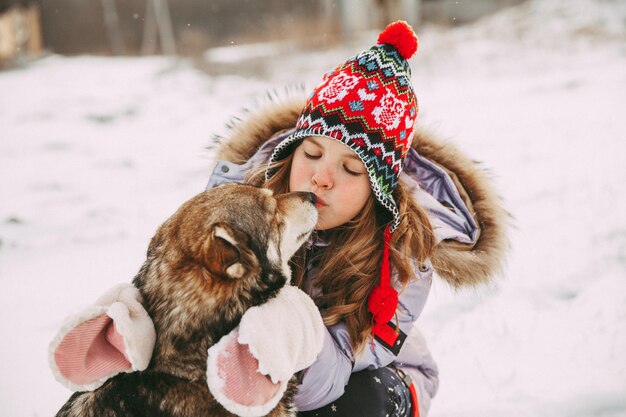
{"points": [[311, 197]]}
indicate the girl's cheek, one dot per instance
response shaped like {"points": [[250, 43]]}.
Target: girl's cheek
{"points": [[297, 179], [293, 182]]}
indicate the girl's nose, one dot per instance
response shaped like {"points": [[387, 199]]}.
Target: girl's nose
{"points": [[323, 178]]}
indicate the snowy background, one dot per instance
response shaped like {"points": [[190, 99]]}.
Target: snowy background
{"points": [[96, 152]]}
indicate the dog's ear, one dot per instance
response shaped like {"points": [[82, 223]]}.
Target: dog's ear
{"points": [[224, 255]]}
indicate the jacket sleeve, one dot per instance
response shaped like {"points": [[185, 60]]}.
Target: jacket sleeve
{"points": [[324, 381], [417, 362]]}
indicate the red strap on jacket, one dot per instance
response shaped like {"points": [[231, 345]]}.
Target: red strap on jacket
{"points": [[408, 382], [416, 406], [386, 333]]}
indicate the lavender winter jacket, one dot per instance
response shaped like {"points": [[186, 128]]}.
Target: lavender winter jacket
{"points": [[467, 220]]}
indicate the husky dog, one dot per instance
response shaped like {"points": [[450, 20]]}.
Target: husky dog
{"points": [[222, 252]]}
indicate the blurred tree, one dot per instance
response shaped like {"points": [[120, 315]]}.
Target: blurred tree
{"points": [[111, 21], [360, 15], [20, 30], [392, 10], [192, 26], [456, 12], [157, 19]]}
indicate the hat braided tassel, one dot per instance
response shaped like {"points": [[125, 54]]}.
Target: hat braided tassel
{"points": [[383, 299]]}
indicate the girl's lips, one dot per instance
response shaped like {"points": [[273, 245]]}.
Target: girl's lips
{"points": [[320, 201]]}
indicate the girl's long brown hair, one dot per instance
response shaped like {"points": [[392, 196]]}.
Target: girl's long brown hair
{"points": [[349, 268]]}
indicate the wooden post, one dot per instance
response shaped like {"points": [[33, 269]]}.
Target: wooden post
{"points": [[330, 17], [149, 40], [164, 23], [111, 21], [392, 10], [7, 36], [412, 12], [33, 17], [158, 21], [355, 17], [20, 33]]}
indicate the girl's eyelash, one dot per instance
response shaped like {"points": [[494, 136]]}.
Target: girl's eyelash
{"points": [[309, 156], [356, 174]]}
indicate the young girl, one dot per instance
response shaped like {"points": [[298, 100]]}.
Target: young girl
{"points": [[393, 205]]}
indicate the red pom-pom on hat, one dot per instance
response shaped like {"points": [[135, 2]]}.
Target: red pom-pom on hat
{"points": [[401, 36]]}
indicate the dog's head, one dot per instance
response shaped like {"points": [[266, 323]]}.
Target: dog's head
{"points": [[224, 251]]}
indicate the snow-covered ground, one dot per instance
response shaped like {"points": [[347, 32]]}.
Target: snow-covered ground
{"points": [[96, 152]]}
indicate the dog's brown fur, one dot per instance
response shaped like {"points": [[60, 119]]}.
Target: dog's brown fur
{"points": [[217, 256]]}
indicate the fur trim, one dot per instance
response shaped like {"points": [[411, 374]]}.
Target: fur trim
{"points": [[459, 265], [137, 332]]}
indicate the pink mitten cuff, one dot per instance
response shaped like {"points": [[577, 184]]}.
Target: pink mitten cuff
{"points": [[115, 335], [248, 369], [235, 382]]}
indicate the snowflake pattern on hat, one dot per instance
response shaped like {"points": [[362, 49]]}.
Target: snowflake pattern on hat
{"points": [[337, 88], [389, 111]]}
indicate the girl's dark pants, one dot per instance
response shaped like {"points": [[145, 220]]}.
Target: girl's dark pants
{"points": [[376, 393]]}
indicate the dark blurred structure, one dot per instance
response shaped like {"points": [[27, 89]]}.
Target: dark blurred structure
{"points": [[20, 30], [191, 26], [78, 26], [455, 12]]}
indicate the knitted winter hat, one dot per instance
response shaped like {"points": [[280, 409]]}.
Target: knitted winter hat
{"points": [[369, 105]]}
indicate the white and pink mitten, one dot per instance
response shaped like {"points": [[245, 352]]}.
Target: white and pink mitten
{"points": [[248, 369], [114, 335]]}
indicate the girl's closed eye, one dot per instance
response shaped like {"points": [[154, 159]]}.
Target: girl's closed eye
{"points": [[352, 171], [312, 155]]}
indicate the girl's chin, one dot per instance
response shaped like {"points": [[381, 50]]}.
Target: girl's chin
{"points": [[322, 225]]}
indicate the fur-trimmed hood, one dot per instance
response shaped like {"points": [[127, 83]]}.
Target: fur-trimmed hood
{"points": [[458, 264]]}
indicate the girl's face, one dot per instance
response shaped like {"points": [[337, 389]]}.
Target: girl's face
{"points": [[335, 174]]}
